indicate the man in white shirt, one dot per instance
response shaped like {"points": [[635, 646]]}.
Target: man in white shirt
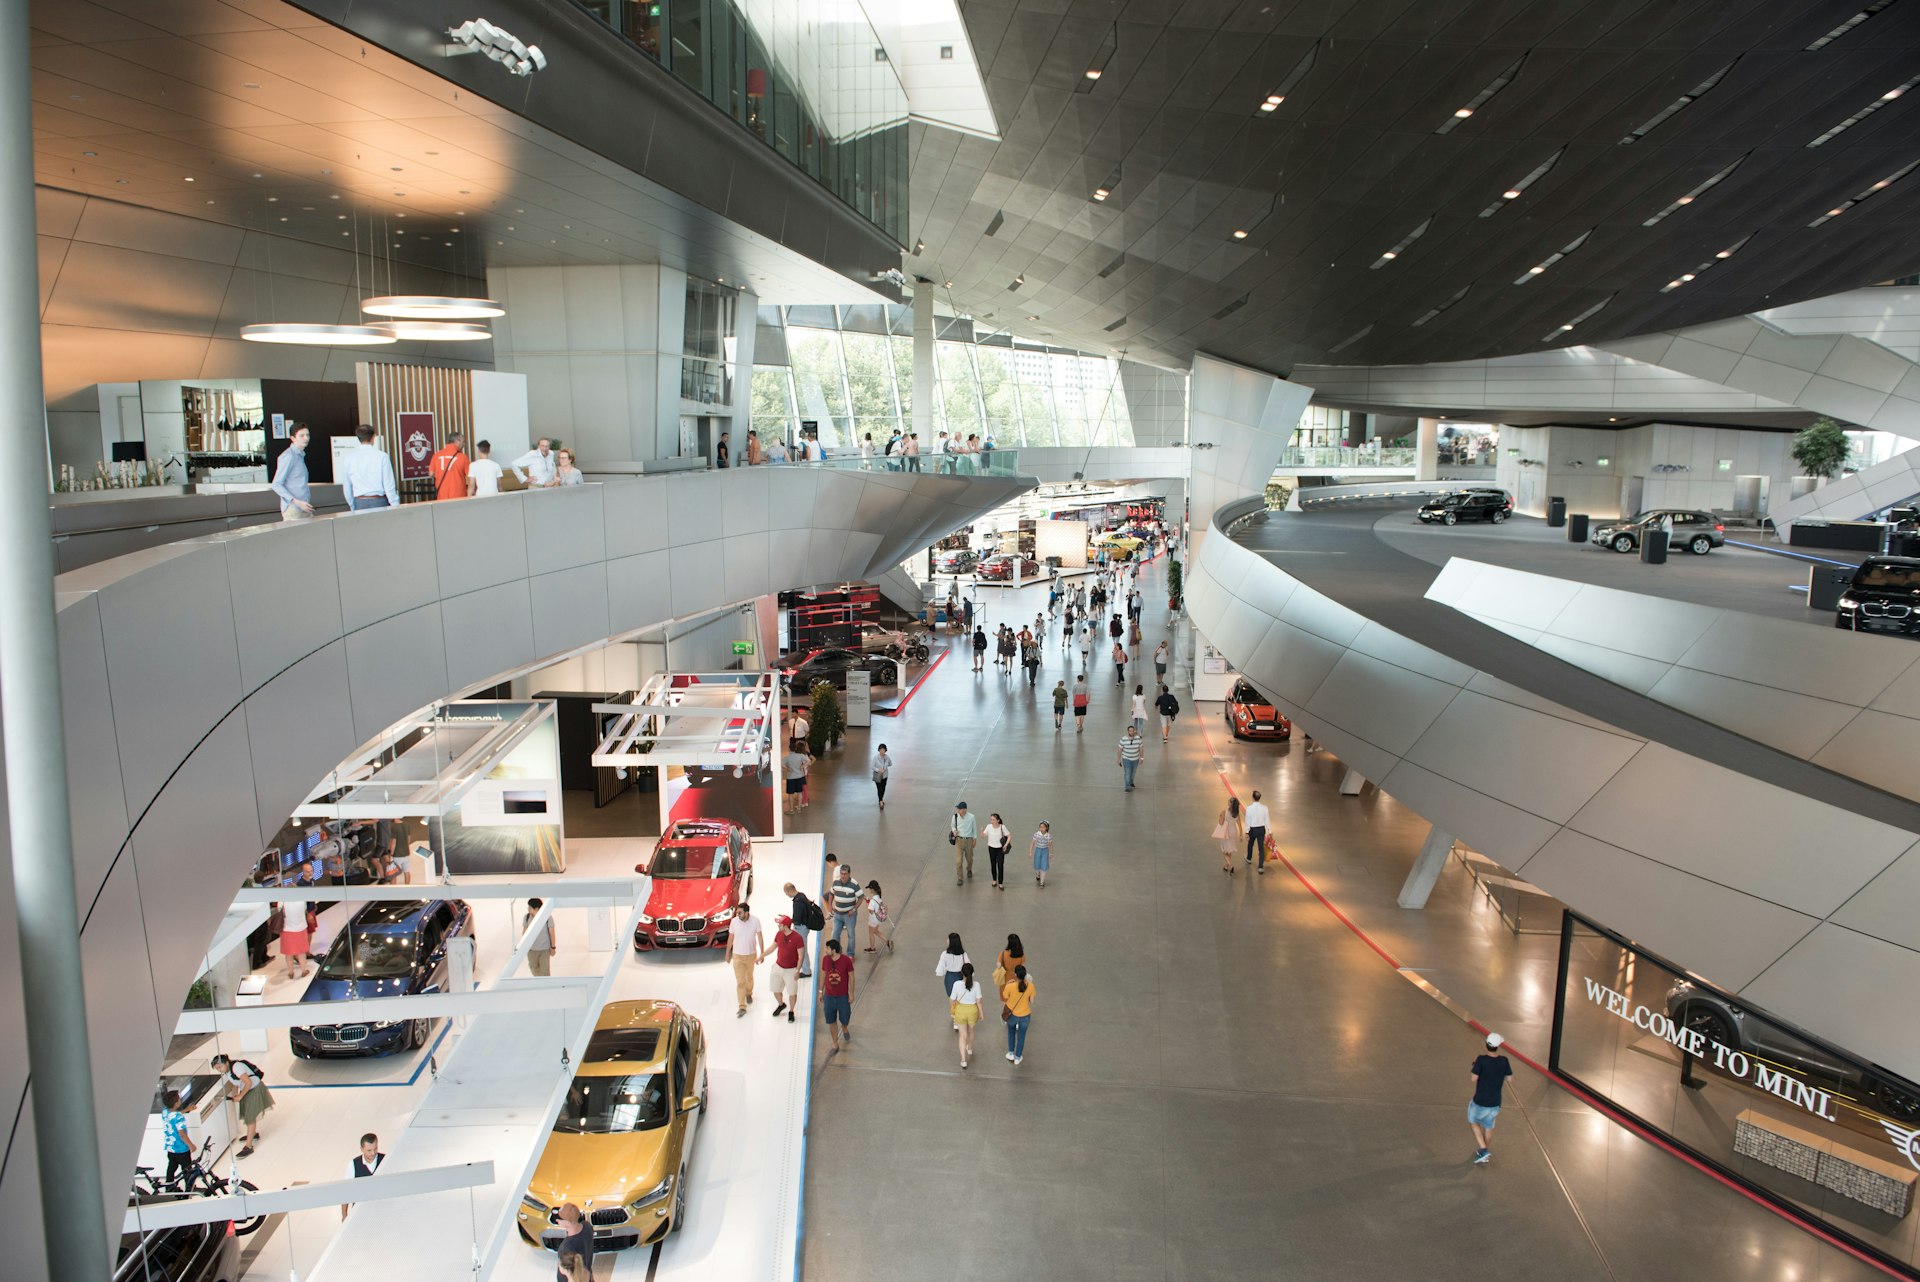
{"points": [[743, 949], [366, 474], [537, 466], [366, 1163], [1257, 820], [483, 474]]}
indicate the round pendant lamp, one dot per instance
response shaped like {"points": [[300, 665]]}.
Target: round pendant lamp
{"points": [[432, 308], [313, 335], [435, 331]]}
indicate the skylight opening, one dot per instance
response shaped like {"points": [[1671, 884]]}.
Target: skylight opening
{"points": [[1591, 312], [1684, 100], [1688, 198], [1892, 95], [1541, 266], [1480, 99], [1458, 294], [1401, 248], [1350, 340], [1687, 278], [1848, 25]]}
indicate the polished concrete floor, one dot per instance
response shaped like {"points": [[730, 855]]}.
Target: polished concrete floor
{"points": [[1221, 1080]]}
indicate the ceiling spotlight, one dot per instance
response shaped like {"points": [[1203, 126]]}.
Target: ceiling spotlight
{"points": [[1276, 99], [1463, 113], [187, 180], [1535, 271], [1093, 73], [1511, 193], [1268, 106], [1389, 255], [1033, 318], [1891, 94], [1725, 253], [1101, 193], [1239, 233], [1684, 200]]}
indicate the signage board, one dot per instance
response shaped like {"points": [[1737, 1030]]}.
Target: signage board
{"points": [[743, 647], [859, 698], [416, 443]]}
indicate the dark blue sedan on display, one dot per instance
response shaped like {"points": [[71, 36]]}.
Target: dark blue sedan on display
{"points": [[388, 949]]}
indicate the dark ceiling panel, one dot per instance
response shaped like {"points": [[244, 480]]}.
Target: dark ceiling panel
{"points": [[1352, 161]]}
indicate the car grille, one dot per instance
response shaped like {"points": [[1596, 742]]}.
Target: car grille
{"points": [[339, 1033], [666, 924], [1885, 609], [609, 1215]]}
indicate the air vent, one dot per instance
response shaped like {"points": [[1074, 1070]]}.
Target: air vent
{"points": [[1688, 198], [1350, 340], [1232, 307], [1519, 189], [1458, 294], [1686, 99], [1119, 261], [1849, 25], [1480, 99], [1116, 325], [999, 221]]}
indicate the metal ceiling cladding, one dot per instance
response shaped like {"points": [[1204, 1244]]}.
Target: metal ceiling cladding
{"points": [[1600, 115]]}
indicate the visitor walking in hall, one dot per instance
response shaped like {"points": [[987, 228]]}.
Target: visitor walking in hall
{"points": [[1228, 832], [807, 915], [946, 967], [1139, 708], [845, 896], [1257, 819], [1086, 647], [882, 768], [787, 947], [1060, 697], [1160, 662], [998, 839], [836, 993], [291, 483], [366, 474], [448, 467], [1080, 700], [1490, 1073], [964, 1005], [1041, 847], [877, 928], [1014, 954], [1128, 754], [743, 949], [979, 649], [1016, 996], [540, 951], [1119, 665], [1168, 707], [962, 833]]}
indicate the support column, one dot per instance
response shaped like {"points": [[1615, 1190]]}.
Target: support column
{"points": [[73, 1212], [923, 383], [1426, 454], [1352, 784], [1426, 869]]}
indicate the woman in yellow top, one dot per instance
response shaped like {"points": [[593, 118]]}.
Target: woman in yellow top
{"points": [[1014, 954], [1018, 996], [963, 999]]}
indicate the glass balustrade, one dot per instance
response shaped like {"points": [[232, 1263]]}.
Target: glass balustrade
{"points": [[986, 463]]}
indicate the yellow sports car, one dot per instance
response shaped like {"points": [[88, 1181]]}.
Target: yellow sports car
{"points": [[621, 1145], [1118, 542]]}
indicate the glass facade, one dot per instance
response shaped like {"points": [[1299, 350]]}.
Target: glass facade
{"points": [[850, 371], [809, 80]]}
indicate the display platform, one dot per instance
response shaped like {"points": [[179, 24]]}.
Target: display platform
{"points": [[744, 1205]]}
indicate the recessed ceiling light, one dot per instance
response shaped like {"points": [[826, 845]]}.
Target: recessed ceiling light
{"points": [[396, 169], [283, 217], [1268, 106], [333, 198], [325, 171], [1463, 113], [1835, 213], [121, 181], [1389, 254], [400, 215], [1891, 94], [433, 153], [89, 153], [1511, 193], [1093, 73], [341, 217], [1684, 200], [1276, 99], [1033, 318], [188, 180], [259, 175], [1239, 233], [1535, 271], [273, 200], [248, 84], [1725, 253]]}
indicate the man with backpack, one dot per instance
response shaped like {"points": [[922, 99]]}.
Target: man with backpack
{"points": [[807, 916], [1169, 708]]}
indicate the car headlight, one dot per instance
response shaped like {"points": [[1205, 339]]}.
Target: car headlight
{"points": [[1849, 605], [645, 920], [725, 914], [653, 1194], [534, 1204], [381, 1025]]}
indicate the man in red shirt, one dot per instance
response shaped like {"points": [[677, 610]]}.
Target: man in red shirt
{"points": [[836, 992], [786, 946], [448, 468]]}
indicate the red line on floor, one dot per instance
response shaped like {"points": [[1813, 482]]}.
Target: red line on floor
{"points": [[914, 689], [1598, 1105]]}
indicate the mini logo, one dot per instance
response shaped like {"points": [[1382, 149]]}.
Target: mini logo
{"points": [[1907, 1141], [418, 445]]}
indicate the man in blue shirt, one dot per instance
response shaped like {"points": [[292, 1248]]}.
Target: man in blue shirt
{"points": [[290, 478], [175, 1140], [1490, 1072], [367, 474]]}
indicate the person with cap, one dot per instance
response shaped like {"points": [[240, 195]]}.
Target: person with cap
{"points": [[964, 832], [787, 945], [1490, 1073]]}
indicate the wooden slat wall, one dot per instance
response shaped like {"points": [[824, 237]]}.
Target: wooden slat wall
{"points": [[388, 390]]}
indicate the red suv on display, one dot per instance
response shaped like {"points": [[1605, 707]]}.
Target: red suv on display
{"points": [[702, 870]]}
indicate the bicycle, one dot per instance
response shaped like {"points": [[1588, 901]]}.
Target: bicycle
{"points": [[198, 1182]]}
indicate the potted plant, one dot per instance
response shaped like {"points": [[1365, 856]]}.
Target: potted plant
{"points": [[828, 723], [1175, 583], [1822, 449]]}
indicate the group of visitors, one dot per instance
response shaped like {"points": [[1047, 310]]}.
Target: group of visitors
{"points": [[368, 483], [1012, 980], [964, 833]]}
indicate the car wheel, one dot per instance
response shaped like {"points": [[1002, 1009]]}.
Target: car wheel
{"points": [[1499, 515], [703, 1094], [1701, 1018], [1623, 543], [1893, 1100], [243, 1227], [1700, 545], [1451, 519], [891, 675], [417, 1034], [679, 1200]]}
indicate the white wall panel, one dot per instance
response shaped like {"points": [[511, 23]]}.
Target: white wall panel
{"points": [[388, 563], [1809, 987], [1497, 748], [1884, 908], [1381, 703], [1486, 823], [479, 545], [96, 800], [639, 591], [390, 662], [118, 985], [285, 592], [482, 632], [298, 727], [563, 527], [1795, 723], [699, 577], [570, 608]]}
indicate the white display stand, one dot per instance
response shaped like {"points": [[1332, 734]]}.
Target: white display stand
{"points": [[251, 992], [599, 929], [859, 698], [420, 865], [1213, 673]]}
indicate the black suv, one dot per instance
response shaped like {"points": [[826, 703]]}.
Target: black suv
{"points": [[1697, 532], [1883, 597], [1468, 505]]}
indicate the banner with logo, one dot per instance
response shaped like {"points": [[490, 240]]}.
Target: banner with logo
{"points": [[416, 443]]}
